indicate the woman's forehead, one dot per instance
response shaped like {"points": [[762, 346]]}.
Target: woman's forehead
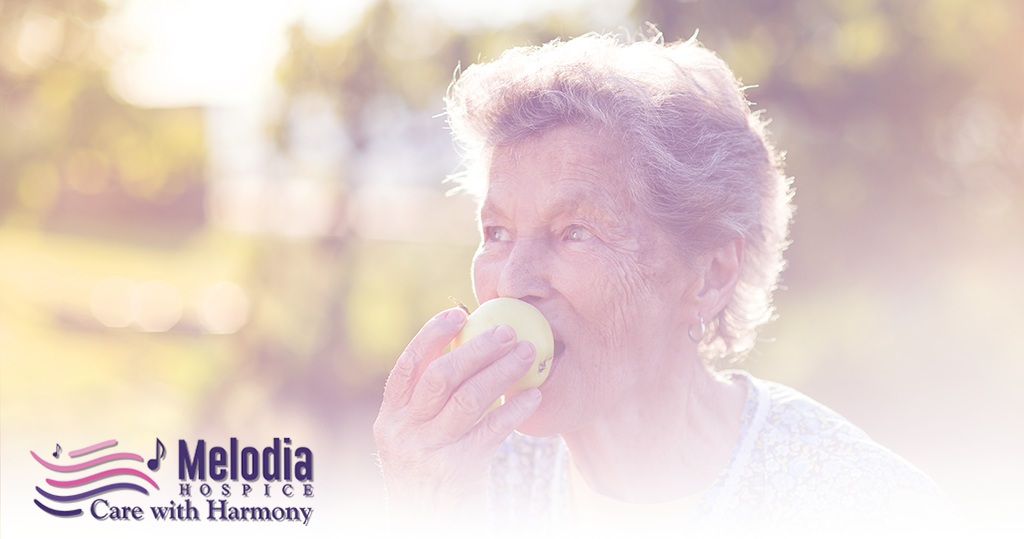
{"points": [[566, 159], [553, 196], [574, 190]]}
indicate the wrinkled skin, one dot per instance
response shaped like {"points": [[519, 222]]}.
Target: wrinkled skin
{"points": [[433, 446], [559, 232]]}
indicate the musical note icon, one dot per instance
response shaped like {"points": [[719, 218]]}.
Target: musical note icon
{"points": [[56, 454], [161, 452]]}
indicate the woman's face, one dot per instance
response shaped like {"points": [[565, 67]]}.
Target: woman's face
{"points": [[559, 231]]}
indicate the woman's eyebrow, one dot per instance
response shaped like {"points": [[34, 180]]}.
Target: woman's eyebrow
{"points": [[599, 205], [566, 205]]}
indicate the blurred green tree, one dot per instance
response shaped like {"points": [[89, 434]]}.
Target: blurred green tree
{"points": [[904, 127], [68, 139]]}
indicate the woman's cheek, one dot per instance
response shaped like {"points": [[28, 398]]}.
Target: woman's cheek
{"points": [[485, 270], [616, 273], [598, 282]]}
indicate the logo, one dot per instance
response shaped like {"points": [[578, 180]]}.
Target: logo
{"points": [[236, 483], [102, 473]]}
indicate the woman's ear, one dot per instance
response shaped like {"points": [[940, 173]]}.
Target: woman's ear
{"points": [[721, 273]]}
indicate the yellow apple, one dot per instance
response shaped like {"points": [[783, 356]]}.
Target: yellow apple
{"points": [[529, 324]]}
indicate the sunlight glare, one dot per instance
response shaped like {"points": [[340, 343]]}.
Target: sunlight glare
{"points": [[194, 52], [157, 306], [224, 308], [111, 301]]}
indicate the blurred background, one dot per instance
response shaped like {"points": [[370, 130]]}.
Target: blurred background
{"points": [[222, 218]]}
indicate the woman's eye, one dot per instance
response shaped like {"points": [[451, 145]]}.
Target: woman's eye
{"points": [[577, 233], [496, 233]]}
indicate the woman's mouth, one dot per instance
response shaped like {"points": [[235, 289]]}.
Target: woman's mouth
{"points": [[557, 354]]}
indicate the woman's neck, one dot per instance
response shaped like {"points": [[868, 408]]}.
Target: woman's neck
{"points": [[670, 442]]}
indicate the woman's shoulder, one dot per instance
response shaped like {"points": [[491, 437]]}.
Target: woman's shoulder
{"points": [[796, 453], [792, 418], [791, 428], [797, 425]]}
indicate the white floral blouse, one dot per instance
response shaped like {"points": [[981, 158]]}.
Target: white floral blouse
{"points": [[798, 467]]}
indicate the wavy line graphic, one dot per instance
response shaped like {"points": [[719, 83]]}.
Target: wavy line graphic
{"points": [[87, 464], [90, 448], [93, 492], [101, 475], [58, 512]]}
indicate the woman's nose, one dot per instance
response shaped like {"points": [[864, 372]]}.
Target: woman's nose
{"points": [[525, 271]]}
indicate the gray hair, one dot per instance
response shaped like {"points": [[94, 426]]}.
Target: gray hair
{"points": [[699, 162]]}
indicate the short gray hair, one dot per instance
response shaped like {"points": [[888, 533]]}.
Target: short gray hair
{"points": [[699, 162]]}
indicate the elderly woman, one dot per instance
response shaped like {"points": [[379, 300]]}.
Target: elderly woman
{"points": [[628, 192]]}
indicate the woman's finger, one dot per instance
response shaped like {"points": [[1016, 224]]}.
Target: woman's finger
{"points": [[443, 376], [478, 393], [497, 425], [428, 344]]}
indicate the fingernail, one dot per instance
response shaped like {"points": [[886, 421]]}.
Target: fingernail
{"points": [[525, 350], [455, 316], [531, 394], [504, 334]]}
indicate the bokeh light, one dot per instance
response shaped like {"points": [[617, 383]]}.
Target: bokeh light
{"points": [[111, 302], [227, 217], [224, 308], [156, 306]]}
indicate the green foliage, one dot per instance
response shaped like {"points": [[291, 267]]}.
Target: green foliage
{"points": [[903, 123], [65, 131]]}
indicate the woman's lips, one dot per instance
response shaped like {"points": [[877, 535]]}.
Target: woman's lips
{"points": [[558, 342], [559, 349], [557, 352]]}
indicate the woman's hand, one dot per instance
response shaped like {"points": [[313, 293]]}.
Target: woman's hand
{"points": [[435, 436]]}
